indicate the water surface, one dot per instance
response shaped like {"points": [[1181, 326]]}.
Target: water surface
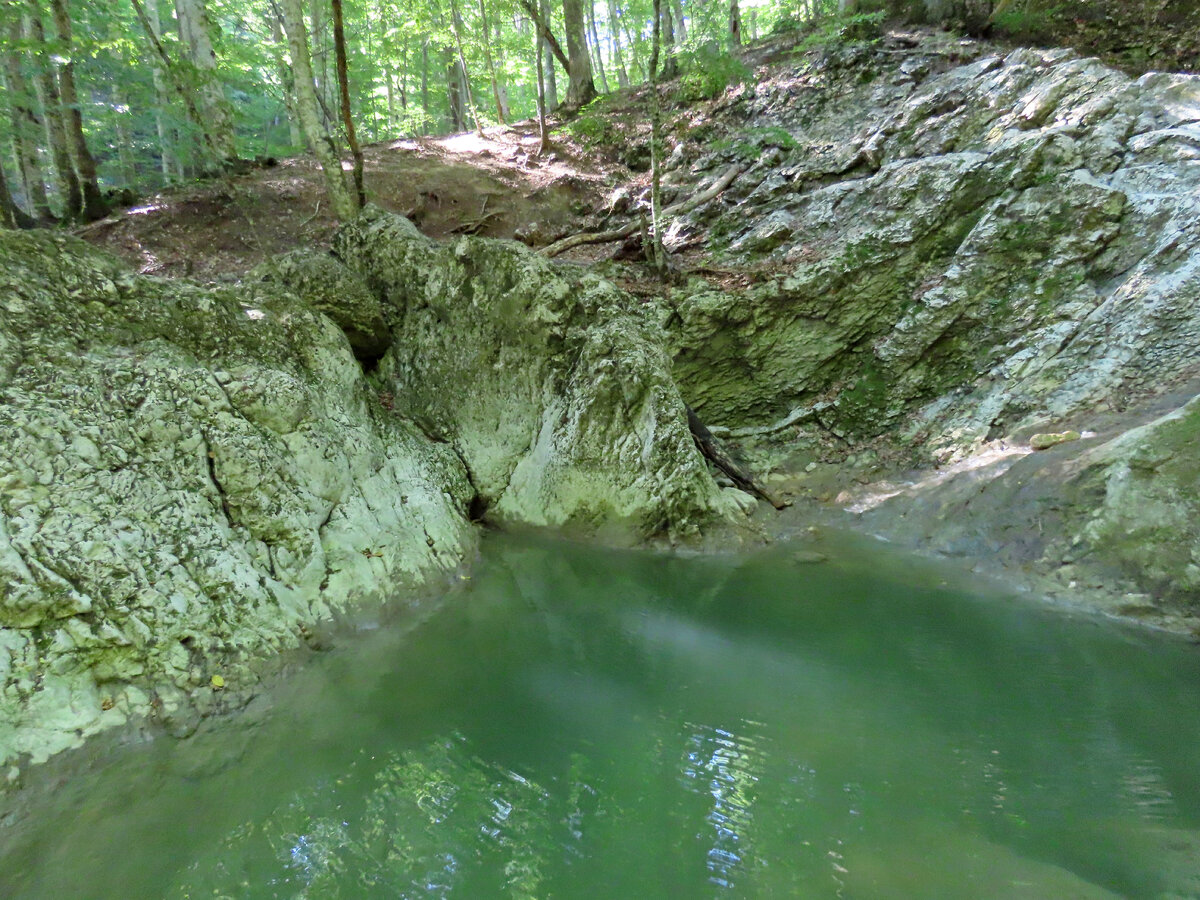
{"points": [[584, 723]]}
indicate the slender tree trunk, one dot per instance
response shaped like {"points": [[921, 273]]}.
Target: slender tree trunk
{"points": [[491, 63], [181, 87], [286, 80], [635, 57], [343, 77], [539, 52], [500, 61], [614, 43], [124, 144], [658, 257], [218, 117], [670, 66], [597, 47], [11, 215], [163, 96], [550, 50], [681, 31], [458, 118], [425, 83], [27, 126], [343, 198], [46, 86], [94, 206], [735, 24], [581, 90]]}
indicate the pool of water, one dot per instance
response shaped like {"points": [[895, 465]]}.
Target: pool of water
{"points": [[587, 723]]}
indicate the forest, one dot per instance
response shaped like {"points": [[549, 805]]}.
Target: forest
{"points": [[106, 101]]}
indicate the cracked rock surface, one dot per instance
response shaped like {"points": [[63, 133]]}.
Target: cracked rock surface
{"points": [[189, 478]]}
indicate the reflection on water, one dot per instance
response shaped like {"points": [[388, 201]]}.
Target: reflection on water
{"points": [[583, 723], [723, 765]]}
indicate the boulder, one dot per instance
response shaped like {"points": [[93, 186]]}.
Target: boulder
{"points": [[191, 478]]}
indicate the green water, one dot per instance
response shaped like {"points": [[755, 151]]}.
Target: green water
{"points": [[581, 723]]}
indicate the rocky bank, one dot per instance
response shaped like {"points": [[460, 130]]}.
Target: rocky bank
{"points": [[194, 478], [945, 250], [953, 250]]}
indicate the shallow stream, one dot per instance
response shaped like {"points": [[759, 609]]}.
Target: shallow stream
{"points": [[585, 723]]}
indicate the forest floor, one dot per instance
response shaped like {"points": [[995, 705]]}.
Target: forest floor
{"points": [[495, 185]]}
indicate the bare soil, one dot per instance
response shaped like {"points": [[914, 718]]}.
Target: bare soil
{"points": [[495, 185]]}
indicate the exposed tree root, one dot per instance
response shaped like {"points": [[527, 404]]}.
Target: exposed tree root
{"points": [[617, 234], [712, 451]]}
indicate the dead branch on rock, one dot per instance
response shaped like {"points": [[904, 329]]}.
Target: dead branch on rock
{"points": [[711, 450], [617, 234]]}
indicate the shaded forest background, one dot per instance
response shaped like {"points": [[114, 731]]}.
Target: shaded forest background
{"points": [[103, 102]]}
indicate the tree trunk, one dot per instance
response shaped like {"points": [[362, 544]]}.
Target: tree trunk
{"points": [[539, 52], [551, 49], [27, 127], [70, 193], [670, 67], [735, 24], [295, 138], [218, 117], [344, 200], [657, 254], [454, 95], [614, 39], [425, 83], [581, 90], [93, 207], [11, 215], [457, 25], [491, 63], [163, 96], [597, 47], [343, 76], [681, 31]]}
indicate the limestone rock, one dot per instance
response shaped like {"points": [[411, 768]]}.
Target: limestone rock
{"points": [[553, 387], [190, 477], [325, 285], [1046, 440], [1006, 242]]}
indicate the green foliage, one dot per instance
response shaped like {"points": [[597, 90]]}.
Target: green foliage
{"points": [[836, 30], [592, 126], [707, 72]]}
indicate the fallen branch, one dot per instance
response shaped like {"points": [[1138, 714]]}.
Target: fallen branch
{"points": [[617, 234], [712, 451]]}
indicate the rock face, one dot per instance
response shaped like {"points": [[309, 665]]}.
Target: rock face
{"points": [[959, 246], [955, 250], [553, 388], [189, 478], [192, 478]]}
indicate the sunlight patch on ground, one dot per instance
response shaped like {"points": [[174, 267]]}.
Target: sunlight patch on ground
{"points": [[999, 455], [153, 206]]}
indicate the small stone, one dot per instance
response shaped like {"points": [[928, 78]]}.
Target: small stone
{"points": [[809, 557], [1048, 440]]}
